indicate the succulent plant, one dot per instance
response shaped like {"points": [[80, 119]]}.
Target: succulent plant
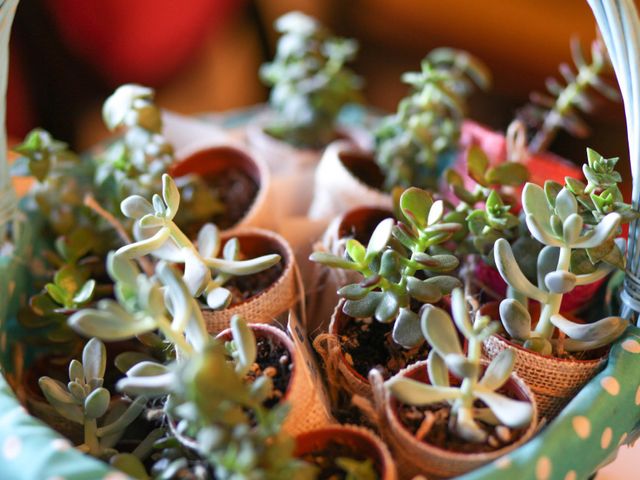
{"points": [[158, 235], [426, 127], [447, 356], [85, 401], [357, 469], [310, 81], [397, 267], [560, 107], [62, 177], [554, 220], [136, 161]]}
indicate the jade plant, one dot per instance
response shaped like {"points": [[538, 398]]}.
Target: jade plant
{"points": [[310, 81], [209, 398], [413, 144], [555, 221], [476, 383], [85, 401], [398, 267], [560, 107], [204, 272]]}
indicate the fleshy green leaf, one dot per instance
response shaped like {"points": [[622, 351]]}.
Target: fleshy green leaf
{"points": [[508, 173], [94, 360], [417, 393], [415, 205], [512, 413], [515, 319], [245, 342], [379, 238], [406, 329], [97, 403], [499, 370], [438, 373], [438, 329], [363, 308]]}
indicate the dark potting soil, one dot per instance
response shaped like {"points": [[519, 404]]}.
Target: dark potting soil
{"points": [[237, 191], [363, 167], [273, 360], [245, 287], [439, 435], [368, 344], [325, 460]]}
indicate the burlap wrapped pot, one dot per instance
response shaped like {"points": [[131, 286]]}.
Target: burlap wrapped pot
{"points": [[337, 189], [307, 409], [554, 381], [415, 457], [340, 373], [266, 306], [356, 437], [207, 157]]}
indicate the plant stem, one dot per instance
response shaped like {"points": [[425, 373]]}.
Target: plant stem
{"points": [[176, 338], [552, 307], [91, 437]]}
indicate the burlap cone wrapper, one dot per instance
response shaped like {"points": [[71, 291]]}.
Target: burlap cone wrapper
{"points": [[554, 381], [209, 156], [307, 408], [415, 457], [340, 374], [336, 189], [361, 438], [266, 306]]}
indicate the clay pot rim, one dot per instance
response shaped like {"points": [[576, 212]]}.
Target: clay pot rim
{"points": [[362, 211], [285, 252], [549, 358], [391, 404], [251, 164], [341, 147], [384, 461], [266, 330]]}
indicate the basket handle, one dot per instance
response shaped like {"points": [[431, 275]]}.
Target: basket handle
{"points": [[620, 27], [8, 202]]}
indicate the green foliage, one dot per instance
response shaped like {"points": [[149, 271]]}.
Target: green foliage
{"points": [[357, 469], [561, 106], [447, 357], [310, 81], [553, 219], [135, 162], [85, 401], [204, 272], [427, 123], [397, 266]]}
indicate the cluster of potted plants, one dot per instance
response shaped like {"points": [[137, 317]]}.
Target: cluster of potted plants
{"points": [[451, 301]]}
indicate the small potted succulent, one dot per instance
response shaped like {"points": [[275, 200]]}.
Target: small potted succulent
{"points": [[376, 324], [268, 288], [455, 412], [358, 223], [567, 352], [276, 357], [206, 391], [412, 146], [219, 183], [346, 452], [310, 86]]}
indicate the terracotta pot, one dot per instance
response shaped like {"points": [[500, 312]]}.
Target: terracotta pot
{"points": [[277, 298], [338, 185], [209, 158], [307, 411], [417, 457], [356, 437], [359, 223], [574, 301], [554, 381]]}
